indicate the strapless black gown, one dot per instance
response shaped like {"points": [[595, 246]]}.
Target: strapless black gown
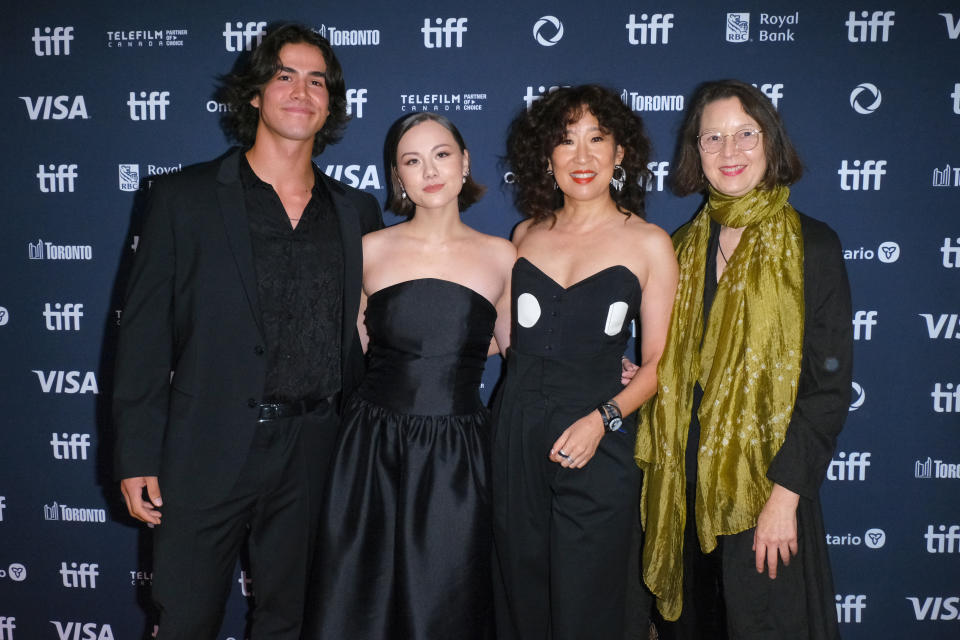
{"points": [[405, 536]]}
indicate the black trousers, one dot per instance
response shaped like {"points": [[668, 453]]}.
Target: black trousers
{"points": [[273, 508]]}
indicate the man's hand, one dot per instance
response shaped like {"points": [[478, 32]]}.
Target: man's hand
{"points": [[132, 490]]}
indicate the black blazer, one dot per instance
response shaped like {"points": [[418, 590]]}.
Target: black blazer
{"points": [[190, 361]]}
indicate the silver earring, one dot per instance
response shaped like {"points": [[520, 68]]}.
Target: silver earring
{"points": [[550, 173], [617, 181], [403, 193]]}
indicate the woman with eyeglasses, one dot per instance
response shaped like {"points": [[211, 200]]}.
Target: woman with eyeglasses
{"points": [[753, 388]]}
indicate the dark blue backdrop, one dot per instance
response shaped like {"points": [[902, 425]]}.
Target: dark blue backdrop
{"points": [[101, 96]]}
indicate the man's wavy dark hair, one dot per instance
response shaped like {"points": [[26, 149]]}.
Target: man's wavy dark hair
{"points": [[239, 88], [535, 133]]}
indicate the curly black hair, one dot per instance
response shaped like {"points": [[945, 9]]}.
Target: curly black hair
{"points": [[535, 133], [239, 88], [783, 163]]}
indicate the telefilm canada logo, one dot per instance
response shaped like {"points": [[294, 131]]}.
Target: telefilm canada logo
{"points": [[443, 102], [146, 38]]}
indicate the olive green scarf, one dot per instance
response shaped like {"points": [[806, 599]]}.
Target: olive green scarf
{"points": [[748, 364]]}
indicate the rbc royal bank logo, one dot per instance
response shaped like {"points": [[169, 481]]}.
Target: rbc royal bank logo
{"points": [[55, 41], [448, 33], [245, 37], [870, 27], [55, 107], [652, 29], [865, 98], [129, 177], [738, 27], [548, 31], [863, 178]]}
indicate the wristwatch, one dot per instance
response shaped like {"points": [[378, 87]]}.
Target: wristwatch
{"points": [[611, 416]]}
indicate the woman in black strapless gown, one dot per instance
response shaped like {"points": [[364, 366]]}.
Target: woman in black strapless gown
{"points": [[405, 536], [566, 489]]}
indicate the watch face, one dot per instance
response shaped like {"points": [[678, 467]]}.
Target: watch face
{"points": [[615, 424]]}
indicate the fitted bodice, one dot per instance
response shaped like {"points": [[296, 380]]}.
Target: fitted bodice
{"points": [[428, 346]]}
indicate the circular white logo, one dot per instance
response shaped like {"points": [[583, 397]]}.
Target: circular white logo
{"points": [[859, 395], [528, 310], [857, 94], [875, 538], [557, 28], [4, 316], [18, 572], [888, 251]]}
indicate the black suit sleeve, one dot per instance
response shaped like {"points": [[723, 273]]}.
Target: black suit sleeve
{"points": [[823, 393], [371, 219], [145, 346]]}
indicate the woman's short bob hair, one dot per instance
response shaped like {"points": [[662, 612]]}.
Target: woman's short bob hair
{"points": [[469, 193], [783, 163], [535, 133], [239, 88]]}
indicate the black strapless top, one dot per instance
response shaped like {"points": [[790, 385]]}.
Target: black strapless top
{"points": [[428, 345]]}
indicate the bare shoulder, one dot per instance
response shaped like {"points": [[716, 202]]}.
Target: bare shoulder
{"points": [[375, 240], [497, 250], [521, 230], [651, 237]]}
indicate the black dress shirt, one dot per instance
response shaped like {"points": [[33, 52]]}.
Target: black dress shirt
{"points": [[300, 289]]}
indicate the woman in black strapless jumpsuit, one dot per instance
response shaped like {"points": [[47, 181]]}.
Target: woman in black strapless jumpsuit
{"points": [[405, 541], [566, 489]]}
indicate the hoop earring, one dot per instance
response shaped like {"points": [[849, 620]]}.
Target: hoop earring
{"points": [[550, 173], [617, 181]]}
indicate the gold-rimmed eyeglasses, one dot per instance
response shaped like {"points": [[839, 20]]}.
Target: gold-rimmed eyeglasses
{"points": [[744, 140]]}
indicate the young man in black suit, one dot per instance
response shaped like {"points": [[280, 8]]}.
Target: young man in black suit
{"points": [[237, 341]]}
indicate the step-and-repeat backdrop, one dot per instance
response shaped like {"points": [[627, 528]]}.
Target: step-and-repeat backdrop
{"points": [[99, 98]]}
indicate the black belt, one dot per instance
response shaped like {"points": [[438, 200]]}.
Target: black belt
{"points": [[279, 410]]}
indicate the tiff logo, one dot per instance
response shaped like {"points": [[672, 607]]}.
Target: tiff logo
{"points": [[935, 608], [82, 577], [945, 325], [70, 446], [863, 323], [953, 25], [850, 607], [849, 468], [772, 91], [441, 36], [49, 45], [649, 27], [850, 179], [530, 97], [356, 97], [660, 170], [149, 107], [946, 177], [65, 318], [951, 254], [242, 39], [956, 98], [56, 178], [3, 505], [55, 107], [246, 584], [90, 630], [7, 625], [947, 541], [879, 23], [946, 401]]}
